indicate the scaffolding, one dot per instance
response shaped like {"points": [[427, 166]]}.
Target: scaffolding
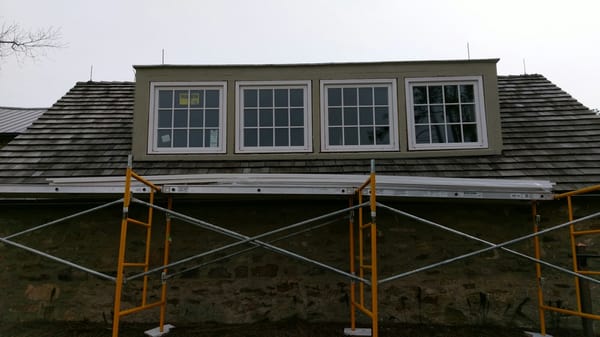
{"points": [[581, 275], [363, 274]]}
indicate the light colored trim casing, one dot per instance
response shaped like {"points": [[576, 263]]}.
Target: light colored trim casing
{"points": [[221, 86], [480, 112], [393, 115], [305, 85], [294, 184]]}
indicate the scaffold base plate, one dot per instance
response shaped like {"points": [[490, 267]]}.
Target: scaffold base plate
{"points": [[536, 334], [357, 332], [156, 331]]}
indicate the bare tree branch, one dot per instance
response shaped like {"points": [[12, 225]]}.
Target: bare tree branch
{"points": [[15, 41]]}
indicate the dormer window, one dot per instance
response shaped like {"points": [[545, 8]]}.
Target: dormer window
{"points": [[359, 115], [187, 117], [445, 113], [273, 116]]}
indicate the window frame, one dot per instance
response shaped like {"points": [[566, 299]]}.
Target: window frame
{"points": [[480, 113], [305, 85], [390, 83], [155, 87]]}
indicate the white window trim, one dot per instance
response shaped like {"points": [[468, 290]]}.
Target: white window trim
{"points": [[480, 112], [239, 116], [393, 97], [153, 116]]}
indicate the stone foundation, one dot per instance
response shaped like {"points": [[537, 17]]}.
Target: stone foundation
{"points": [[495, 287]]}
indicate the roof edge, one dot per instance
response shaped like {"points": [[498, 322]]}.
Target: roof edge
{"points": [[316, 64]]}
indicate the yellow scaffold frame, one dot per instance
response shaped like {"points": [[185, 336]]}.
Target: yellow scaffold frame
{"points": [[364, 266], [573, 233], [118, 311]]}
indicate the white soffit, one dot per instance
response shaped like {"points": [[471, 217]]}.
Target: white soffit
{"points": [[316, 184]]}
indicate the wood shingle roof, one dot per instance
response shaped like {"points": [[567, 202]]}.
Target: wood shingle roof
{"points": [[547, 135]]}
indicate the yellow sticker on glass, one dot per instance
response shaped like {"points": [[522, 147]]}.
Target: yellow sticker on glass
{"points": [[195, 98], [183, 98]]}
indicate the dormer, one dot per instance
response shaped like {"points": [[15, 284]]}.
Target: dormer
{"points": [[317, 111]]}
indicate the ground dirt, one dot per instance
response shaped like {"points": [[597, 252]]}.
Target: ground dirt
{"points": [[290, 328]]}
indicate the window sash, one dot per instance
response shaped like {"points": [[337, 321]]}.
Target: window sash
{"points": [[358, 115], [273, 116], [445, 113], [187, 117]]}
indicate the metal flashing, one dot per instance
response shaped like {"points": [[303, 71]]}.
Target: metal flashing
{"points": [[300, 184]]}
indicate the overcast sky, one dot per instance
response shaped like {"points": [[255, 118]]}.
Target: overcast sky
{"points": [[558, 39]]}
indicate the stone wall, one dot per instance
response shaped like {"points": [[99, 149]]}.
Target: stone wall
{"points": [[494, 287]]}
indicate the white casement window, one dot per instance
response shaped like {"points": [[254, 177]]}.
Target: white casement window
{"points": [[359, 115], [273, 116], [187, 117], [445, 113]]}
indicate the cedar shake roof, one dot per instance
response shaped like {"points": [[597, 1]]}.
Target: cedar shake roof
{"points": [[547, 135]]}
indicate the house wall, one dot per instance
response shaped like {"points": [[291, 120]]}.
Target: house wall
{"points": [[398, 71], [494, 287]]}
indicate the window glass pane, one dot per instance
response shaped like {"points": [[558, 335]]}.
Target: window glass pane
{"points": [[365, 96], [365, 116], [281, 97], [250, 117], [467, 93], [265, 98], [381, 96], [196, 137], [350, 116], [265, 137], [180, 118], [185, 118], [422, 134], [281, 137], [334, 96], [297, 117], [382, 116], [438, 134], [250, 137], [349, 96], [468, 112], [437, 113], [366, 136], [164, 119], [470, 133], [211, 138], [296, 97], [451, 93], [250, 98], [297, 137], [452, 113], [435, 94], [181, 98], [196, 98], [335, 136], [420, 95], [335, 116], [382, 135], [212, 98], [165, 98], [212, 118], [196, 117], [180, 138], [265, 117], [164, 138], [421, 114], [351, 136], [454, 133], [281, 117]]}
